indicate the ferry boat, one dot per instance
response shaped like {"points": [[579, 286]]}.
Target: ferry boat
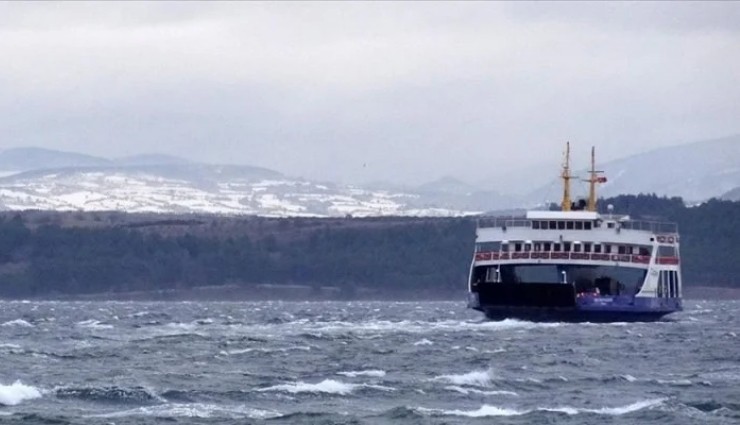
{"points": [[575, 264]]}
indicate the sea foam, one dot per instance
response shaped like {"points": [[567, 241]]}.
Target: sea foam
{"points": [[488, 410], [355, 373], [480, 378], [10, 395]]}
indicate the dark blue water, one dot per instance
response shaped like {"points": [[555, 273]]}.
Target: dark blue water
{"points": [[360, 363]]}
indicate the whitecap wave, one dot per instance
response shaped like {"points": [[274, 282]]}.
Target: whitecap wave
{"points": [[479, 378], [371, 372], [93, 324], [18, 322], [194, 410], [327, 386], [466, 391], [423, 342], [384, 326], [10, 395], [238, 351], [488, 410], [675, 382]]}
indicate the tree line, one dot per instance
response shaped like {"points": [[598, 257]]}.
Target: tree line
{"points": [[50, 254]]}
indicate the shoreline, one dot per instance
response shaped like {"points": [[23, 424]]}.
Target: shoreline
{"points": [[301, 293]]}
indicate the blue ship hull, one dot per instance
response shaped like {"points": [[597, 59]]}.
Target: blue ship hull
{"points": [[584, 309]]}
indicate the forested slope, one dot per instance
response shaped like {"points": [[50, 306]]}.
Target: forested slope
{"points": [[50, 254]]}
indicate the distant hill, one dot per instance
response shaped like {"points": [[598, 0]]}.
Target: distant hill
{"points": [[696, 172], [24, 159]]}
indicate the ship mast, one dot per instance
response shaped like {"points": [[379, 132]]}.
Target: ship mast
{"points": [[593, 179], [566, 176]]}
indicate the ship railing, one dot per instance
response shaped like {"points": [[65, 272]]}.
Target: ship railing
{"points": [[542, 255], [656, 227]]}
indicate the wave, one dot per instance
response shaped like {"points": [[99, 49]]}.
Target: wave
{"points": [[466, 391], [117, 395], [423, 342], [327, 386], [194, 410], [488, 410], [480, 378], [13, 394], [372, 373], [264, 350], [93, 324], [18, 322]]}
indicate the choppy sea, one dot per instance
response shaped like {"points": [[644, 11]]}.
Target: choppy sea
{"points": [[360, 363]]}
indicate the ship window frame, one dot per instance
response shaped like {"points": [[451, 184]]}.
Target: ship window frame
{"points": [[587, 247], [610, 225], [527, 247], [553, 225], [535, 224], [576, 247], [579, 225], [556, 247], [546, 246], [517, 247], [569, 225], [505, 247], [621, 249], [566, 246], [607, 249], [586, 225], [561, 225], [597, 248]]}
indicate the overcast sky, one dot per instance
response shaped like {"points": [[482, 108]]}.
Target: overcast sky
{"points": [[356, 92]]}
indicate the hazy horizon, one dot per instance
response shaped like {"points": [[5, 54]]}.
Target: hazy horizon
{"points": [[360, 92]]}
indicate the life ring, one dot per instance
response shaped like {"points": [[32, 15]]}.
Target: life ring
{"points": [[661, 239], [670, 239]]}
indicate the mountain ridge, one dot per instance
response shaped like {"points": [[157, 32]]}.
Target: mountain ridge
{"points": [[56, 180]]}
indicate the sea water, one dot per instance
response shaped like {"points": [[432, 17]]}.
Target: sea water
{"points": [[360, 363]]}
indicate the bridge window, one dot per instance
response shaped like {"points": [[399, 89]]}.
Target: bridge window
{"points": [[576, 247], [556, 247], [517, 247], [535, 224], [579, 225], [587, 247], [487, 246], [561, 225], [569, 225], [644, 250], [546, 246], [553, 225], [607, 249], [527, 247], [666, 251], [597, 248], [566, 246], [610, 224], [587, 225]]}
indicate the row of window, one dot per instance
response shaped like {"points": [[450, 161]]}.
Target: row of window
{"points": [[668, 286], [587, 247], [568, 225]]}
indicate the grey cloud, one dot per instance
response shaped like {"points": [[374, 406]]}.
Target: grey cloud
{"points": [[368, 91]]}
